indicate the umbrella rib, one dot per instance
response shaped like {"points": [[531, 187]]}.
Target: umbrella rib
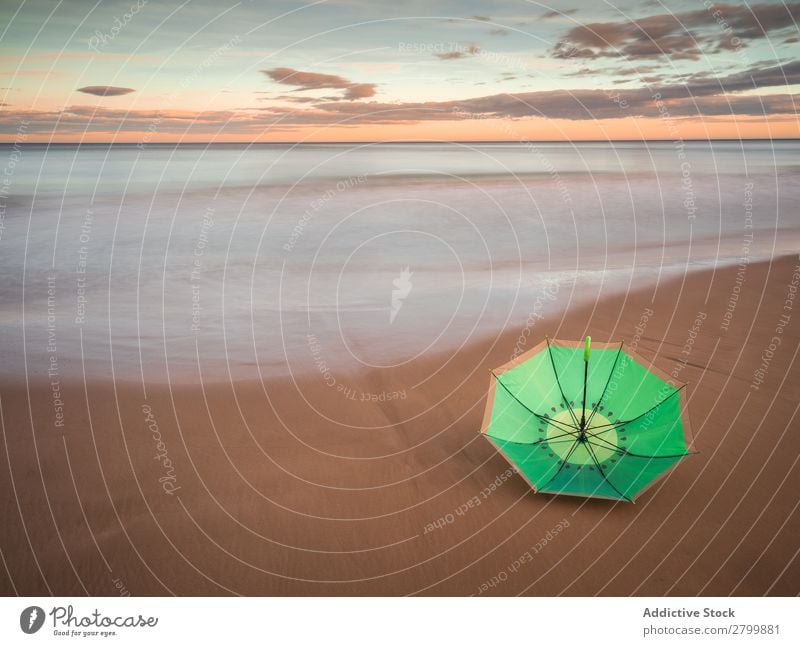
{"points": [[610, 374], [550, 420], [543, 440], [623, 451], [550, 440], [537, 442], [558, 381], [600, 469], [555, 437], [559, 425], [561, 466], [610, 444], [608, 427], [655, 457]]}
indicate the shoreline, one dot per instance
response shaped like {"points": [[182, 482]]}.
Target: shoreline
{"points": [[297, 487], [585, 286]]}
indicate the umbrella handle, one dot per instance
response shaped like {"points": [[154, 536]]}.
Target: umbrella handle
{"points": [[586, 349]]}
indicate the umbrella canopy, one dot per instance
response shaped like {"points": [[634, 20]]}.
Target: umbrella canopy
{"points": [[586, 421]]}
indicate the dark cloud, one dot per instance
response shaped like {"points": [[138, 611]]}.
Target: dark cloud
{"points": [[314, 81], [756, 21], [726, 105], [687, 35], [557, 104], [696, 96], [750, 79], [105, 90]]}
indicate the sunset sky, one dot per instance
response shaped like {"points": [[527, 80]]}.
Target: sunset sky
{"points": [[364, 70]]}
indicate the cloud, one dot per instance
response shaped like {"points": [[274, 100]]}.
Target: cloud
{"points": [[105, 90], [292, 99], [448, 56], [636, 70], [749, 79], [695, 95], [360, 91], [470, 50], [559, 104], [315, 81], [556, 14], [687, 35], [82, 119]]}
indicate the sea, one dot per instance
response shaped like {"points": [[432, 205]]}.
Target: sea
{"points": [[212, 262]]}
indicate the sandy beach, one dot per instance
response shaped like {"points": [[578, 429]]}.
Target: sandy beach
{"points": [[309, 308], [377, 482]]}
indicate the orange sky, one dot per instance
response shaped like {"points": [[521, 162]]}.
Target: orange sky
{"points": [[529, 129]]}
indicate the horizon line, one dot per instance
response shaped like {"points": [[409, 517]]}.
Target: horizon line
{"points": [[390, 141]]}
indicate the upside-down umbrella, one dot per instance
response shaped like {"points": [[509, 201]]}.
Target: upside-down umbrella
{"points": [[583, 421]]}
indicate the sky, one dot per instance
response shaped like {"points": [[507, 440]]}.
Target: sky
{"points": [[148, 71]]}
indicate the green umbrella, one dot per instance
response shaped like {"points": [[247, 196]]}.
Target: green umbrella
{"points": [[608, 427]]}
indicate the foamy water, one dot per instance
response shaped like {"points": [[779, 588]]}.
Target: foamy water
{"points": [[266, 259]]}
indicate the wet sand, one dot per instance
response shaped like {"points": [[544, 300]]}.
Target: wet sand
{"points": [[378, 483]]}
